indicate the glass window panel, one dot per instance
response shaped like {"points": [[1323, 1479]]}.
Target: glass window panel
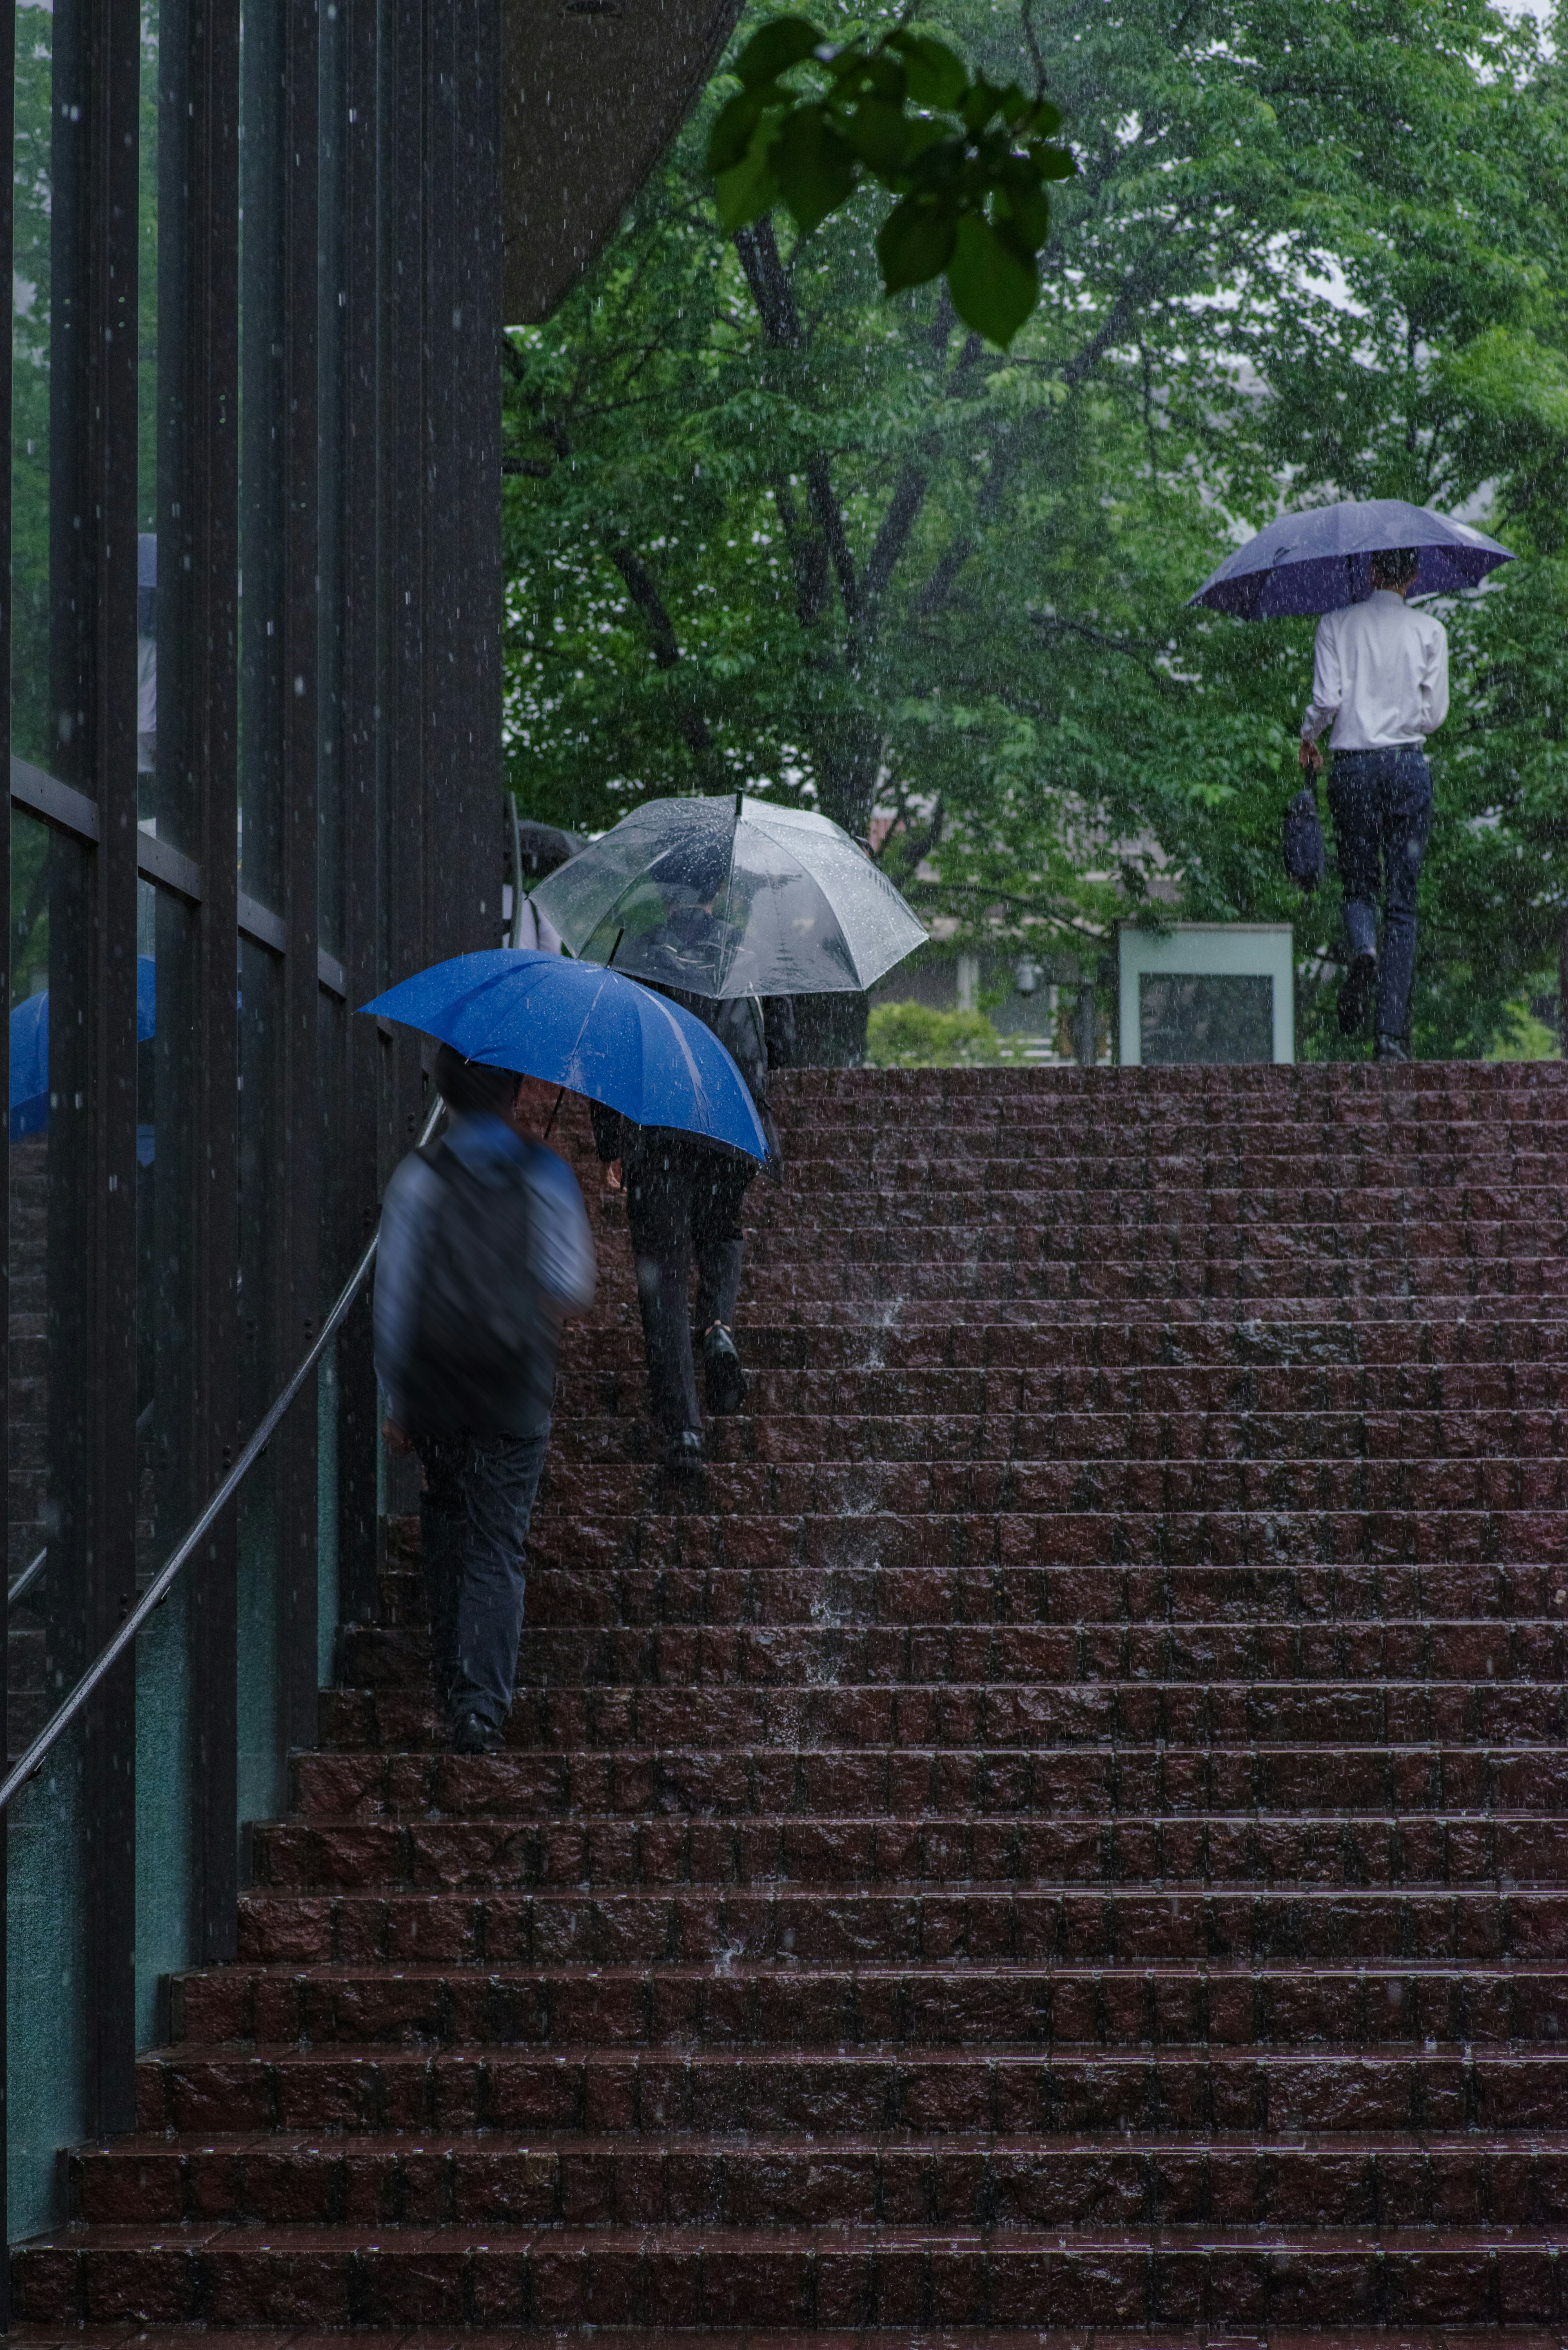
{"points": [[261, 477], [47, 2084], [166, 1496], [32, 732], [261, 1760]]}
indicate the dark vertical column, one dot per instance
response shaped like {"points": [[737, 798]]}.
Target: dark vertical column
{"points": [[198, 527], [300, 1199], [477, 323], [364, 684], [92, 1235], [7, 130]]}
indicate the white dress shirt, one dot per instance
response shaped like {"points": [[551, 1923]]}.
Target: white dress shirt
{"points": [[1381, 673]]}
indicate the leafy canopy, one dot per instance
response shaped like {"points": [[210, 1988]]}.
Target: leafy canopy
{"points": [[767, 525]]}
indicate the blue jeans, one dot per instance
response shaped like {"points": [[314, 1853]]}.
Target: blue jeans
{"points": [[1381, 802], [473, 1517]]}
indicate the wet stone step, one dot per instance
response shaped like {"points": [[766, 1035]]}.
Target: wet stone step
{"points": [[1304, 1442], [675, 1533], [788, 1926], [1326, 1850], [1510, 2090], [671, 1656], [851, 1784], [782, 2182], [772, 2280], [1138, 1393], [935, 2005], [1183, 1713]]}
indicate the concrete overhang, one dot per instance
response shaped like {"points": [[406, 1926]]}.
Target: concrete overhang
{"points": [[592, 93]]}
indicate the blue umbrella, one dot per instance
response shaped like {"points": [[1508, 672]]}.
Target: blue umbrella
{"points": [[580, 1025], [1320, 559]]}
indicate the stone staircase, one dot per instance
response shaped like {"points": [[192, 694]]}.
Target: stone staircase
{"points": [[1066, 1829]]}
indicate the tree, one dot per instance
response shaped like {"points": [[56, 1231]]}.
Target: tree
{"points": [[767, 526]]}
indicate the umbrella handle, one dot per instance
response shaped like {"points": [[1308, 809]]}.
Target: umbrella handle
{"points": [[561, 1096]]}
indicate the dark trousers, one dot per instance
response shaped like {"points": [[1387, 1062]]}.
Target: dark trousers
{"points": [[473, 1517], [1381, 802], [682, 1200]]}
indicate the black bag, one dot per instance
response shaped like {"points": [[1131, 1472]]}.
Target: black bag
{"points": [[1301, 840], [483, 1358]]}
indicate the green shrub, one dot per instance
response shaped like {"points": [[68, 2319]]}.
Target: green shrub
{"points": [[913, 1036]]}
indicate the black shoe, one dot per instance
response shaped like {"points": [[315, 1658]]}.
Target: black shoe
{"points": [[1390, 1048], [683, 1454], [1355, 993], [471, 1734], [721, 1365]]}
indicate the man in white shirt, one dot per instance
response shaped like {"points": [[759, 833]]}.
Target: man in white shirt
{"points": [[1380, 672]]}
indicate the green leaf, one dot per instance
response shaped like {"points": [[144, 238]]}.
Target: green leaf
{"points": [[749, 189], [979, 103], [733, 133], [814, 167], [1028, 206], [994, 289], [1053, 163], [880, 135], [787, 41], [936, 73], [915, 242]]}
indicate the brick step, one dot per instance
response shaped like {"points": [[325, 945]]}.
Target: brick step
{"points": [[1415, 1847], [978, 1167], [675, 1656], [976, 1281], [1124, 1925], [851, 1236], [1101, 1778], [662, 2337], [930, 2006], [1015, 1195], [1519, 2089], [777, 2280], [911, 1783], [704, 1535], [1022, 1714], [941, 1577], [1161, 1334], [1142, 1394], [915, 1487], [502, 2180], [1302, 1440], [1423, 1153]]}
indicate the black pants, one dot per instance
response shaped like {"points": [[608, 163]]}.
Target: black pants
{"points": [[1381, 802], [473, 1521], [682, 1200]]}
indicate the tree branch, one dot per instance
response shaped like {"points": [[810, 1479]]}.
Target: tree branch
{"points": [[771, 290], [666, 645], [908, 497]]}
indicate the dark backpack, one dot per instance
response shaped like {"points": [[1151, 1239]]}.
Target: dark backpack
{"points": [[1301, 840], [483, 1358]]}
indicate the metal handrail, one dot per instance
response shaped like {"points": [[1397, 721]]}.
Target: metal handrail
{"points": [[32, 1759], [29, 1577]]}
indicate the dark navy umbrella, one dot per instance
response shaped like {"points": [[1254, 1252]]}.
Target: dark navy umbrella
{"points": [[581, 1025], [1320, 559]]}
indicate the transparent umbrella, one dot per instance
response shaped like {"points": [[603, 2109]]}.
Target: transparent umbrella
{"points": [[732, 897]]}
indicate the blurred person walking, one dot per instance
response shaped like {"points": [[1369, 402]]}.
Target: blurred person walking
{"points": [[484, 1250], [1380, 673]]}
